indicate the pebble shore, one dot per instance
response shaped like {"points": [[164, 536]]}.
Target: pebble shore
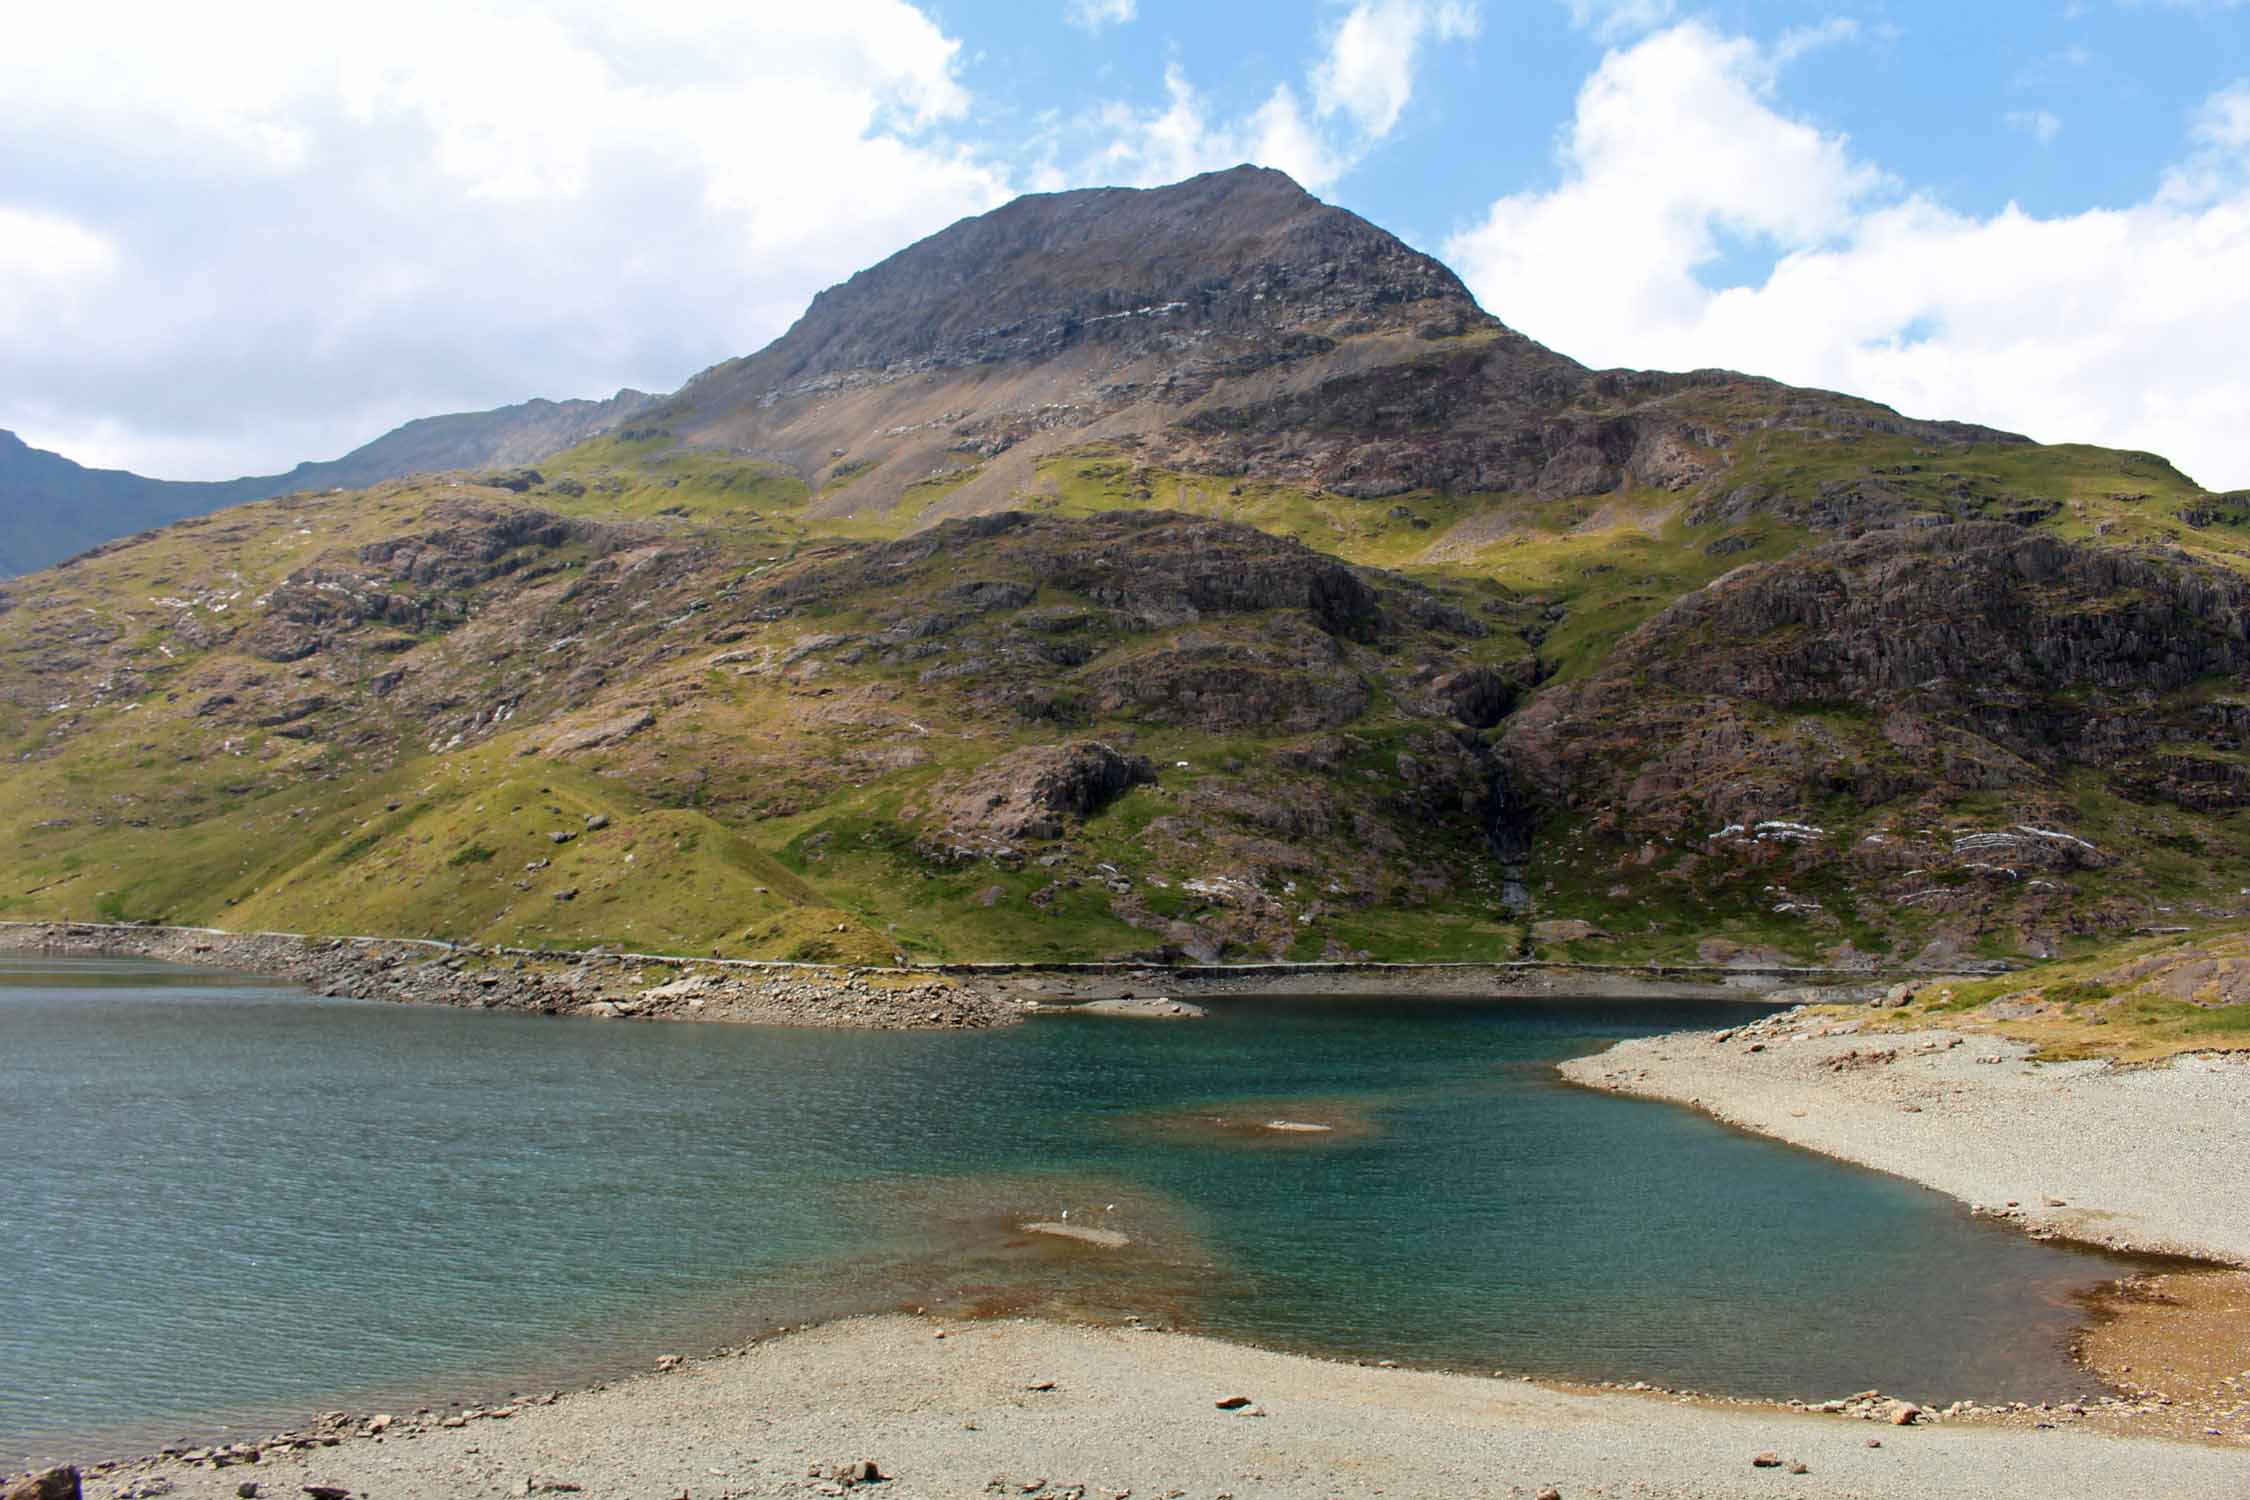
{"points": [[903, 1408], [610, 985], [605, 986], [2140, 1158]]}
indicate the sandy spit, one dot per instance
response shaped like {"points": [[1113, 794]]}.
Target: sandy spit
{"points": [[2137, 1158], [1030, 1409]]}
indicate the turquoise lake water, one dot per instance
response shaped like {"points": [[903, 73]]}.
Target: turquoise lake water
{"points": [[229, 1205]]}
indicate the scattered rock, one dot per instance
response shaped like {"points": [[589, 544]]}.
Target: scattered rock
{"points": [[1906, 1415], [1766, 1460], [608, 732], [1232, 1403], [47, 1484]]}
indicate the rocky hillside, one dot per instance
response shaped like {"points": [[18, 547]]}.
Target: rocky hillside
{"points": [[1191, 572], [51, 508], [2138, 1000]]}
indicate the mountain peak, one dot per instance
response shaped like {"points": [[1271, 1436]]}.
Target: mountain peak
{"points": [[1243, 255]]}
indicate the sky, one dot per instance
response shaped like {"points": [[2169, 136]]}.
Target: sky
{"points": [[247, 232]]}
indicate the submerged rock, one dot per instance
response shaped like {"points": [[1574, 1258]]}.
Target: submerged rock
{"points": [[1108, 1239]]}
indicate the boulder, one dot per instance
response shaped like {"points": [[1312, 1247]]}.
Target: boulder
{"points": [[47, 1484]]}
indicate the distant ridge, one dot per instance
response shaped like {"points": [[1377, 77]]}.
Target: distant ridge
{"points": [[52, 508]]}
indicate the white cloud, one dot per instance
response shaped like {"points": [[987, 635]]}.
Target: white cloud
{"points": [[2224, 124], [1095, 14], [1674, 149], [1359, 89], [1373, 53], [45, 247], [2114, 326], [2042, 125], [49, 265], [1797, 41], [1146, 147], [306, 224], [310, 223], [1611, 19]]}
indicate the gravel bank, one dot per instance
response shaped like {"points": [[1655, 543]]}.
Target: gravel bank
{"points": [[2137, 1158], [627, 986], [1034, 1409], [603, 986]]}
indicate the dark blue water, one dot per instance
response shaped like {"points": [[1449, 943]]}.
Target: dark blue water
{"points": [[230, 1204]]}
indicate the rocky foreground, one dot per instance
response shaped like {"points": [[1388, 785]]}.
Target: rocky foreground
{"points": [[903, 1408], [2136, 1158]]}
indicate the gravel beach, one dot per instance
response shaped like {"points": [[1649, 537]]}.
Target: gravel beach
{"points": [[1038, 1409], [645, 987], [2146, 1158]]}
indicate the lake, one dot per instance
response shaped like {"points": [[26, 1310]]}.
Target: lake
{"points": [[231, 1204]]}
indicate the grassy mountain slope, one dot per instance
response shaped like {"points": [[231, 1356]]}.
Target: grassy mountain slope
{"points": [[1083, 582]]}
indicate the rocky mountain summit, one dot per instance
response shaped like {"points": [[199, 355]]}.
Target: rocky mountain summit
{"points": [[1185, 573], [1243, 259], [1229, 325]]}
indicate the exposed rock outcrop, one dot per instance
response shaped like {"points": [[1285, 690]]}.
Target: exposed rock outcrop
{"points": [[1035, 792]]}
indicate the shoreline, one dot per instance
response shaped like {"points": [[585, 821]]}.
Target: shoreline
{"points": [[606, 985], [2143, 1159], [1070, 1410], [335, 1447]]}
